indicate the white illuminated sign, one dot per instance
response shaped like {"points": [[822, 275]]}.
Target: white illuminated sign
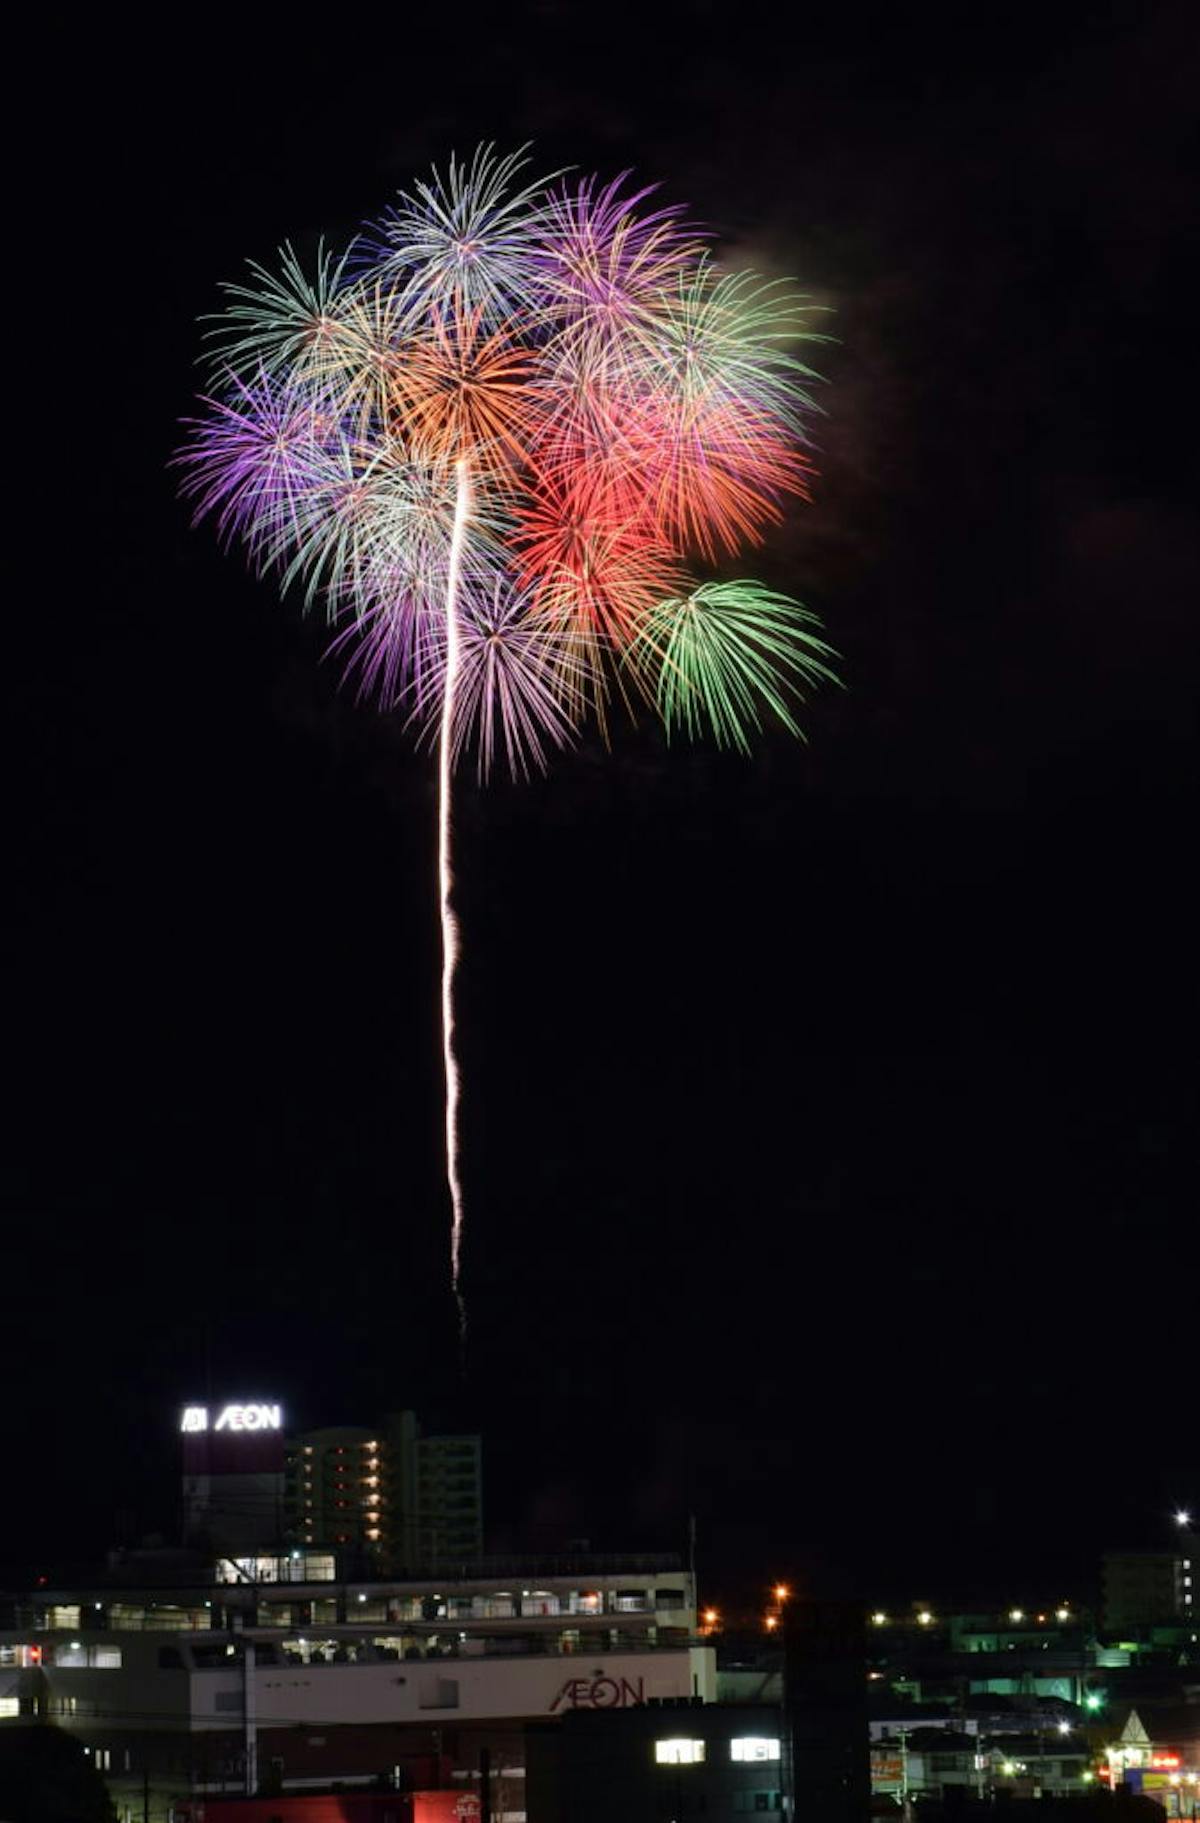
{"points": [[256, 1417]]}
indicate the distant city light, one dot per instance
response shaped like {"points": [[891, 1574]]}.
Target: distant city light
{"points": [[711, 1617], [782, 1591], [879, 1618], [924, 1617], [1064, 1727], [1062, 1613], [1183, 1517], [1093, 1700], [771, 1622], [1016, 1614]]}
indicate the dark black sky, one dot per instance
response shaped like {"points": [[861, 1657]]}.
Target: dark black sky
{"points": [[828, 1120]]}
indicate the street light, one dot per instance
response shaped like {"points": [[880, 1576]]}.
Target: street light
{"points": [[1182, 1516]]}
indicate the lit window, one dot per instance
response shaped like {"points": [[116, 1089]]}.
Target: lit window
{"points": [[10, 1705], [678, 1753], [753, 1747]]}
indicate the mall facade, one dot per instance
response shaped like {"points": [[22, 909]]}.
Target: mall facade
{"points": [[273, 1672]]}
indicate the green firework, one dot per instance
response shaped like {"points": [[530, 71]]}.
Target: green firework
{"points": [[728, 651]]}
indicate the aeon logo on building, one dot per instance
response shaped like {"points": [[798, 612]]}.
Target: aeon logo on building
{"points": [[600, 1693], [256, 1417]]}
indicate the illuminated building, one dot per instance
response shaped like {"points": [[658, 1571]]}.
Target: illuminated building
{"points": [[274, 1667], [1155, 1752], [233, 1483], [384, 1496], [409, 1502], [644, 1765]]}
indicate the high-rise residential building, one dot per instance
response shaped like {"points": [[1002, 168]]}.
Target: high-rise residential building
{"points": [[407, 1501], [449, 1499], [1144, 1587]]}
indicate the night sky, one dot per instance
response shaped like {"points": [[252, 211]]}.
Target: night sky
{"points": [[829, 1115]]}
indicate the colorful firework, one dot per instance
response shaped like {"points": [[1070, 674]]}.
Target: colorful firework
{"points": [[486, 439]]}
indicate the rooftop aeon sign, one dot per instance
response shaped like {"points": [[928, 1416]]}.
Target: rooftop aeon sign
{"points": [[250, 1417]]}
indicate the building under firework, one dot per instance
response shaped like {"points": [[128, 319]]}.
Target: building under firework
{"points": [[274, 1673], [403, 1502]]}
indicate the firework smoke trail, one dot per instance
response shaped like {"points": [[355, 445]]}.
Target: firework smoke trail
{"points": [[450, 934]]}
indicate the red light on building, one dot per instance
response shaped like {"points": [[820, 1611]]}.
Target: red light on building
{"points": [[445, 1807]]}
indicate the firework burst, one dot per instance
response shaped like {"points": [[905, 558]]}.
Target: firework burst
{"points": [[485, 441]]}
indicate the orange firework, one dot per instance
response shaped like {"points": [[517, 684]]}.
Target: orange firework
{"points": [[461, 390]]}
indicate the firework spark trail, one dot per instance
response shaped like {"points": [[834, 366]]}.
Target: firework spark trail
{"points": [[450, 936]]}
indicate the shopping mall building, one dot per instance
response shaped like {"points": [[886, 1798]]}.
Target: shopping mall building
{"points": [[270, 1672]]}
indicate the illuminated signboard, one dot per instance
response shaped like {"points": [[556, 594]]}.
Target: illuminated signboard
{"points": [[250, 1417]]}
